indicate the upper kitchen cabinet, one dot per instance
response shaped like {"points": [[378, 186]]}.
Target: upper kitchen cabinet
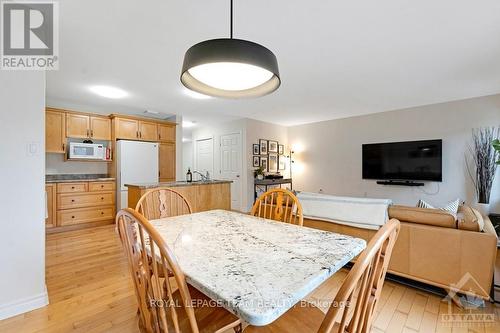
{"points": [[135, 128], [54, 131], [100, 128], [148, 131], [77, 125], [126, 128], [166, 132], [88, 126]]}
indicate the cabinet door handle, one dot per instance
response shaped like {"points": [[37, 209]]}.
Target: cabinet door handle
{"points": [[140, 134], [63, 147], [72, 200], [88, 133], [159, 136], [72, 187], [137, 134], [92, 133]]}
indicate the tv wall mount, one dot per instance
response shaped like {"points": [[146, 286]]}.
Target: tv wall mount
{"points": [[399, 182]]}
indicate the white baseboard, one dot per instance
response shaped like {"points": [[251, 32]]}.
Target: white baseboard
{"points": [[24, 305]]}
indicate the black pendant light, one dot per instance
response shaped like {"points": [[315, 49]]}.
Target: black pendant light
{"points": [[230, 68]]}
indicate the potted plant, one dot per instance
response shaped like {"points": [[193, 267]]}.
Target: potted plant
{"points": [[496, 146], [482, 164], [259, 173]]}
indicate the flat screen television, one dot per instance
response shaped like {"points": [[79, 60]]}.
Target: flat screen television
{"points": [[411, 160]]}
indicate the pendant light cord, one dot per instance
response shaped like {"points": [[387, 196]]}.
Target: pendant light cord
{"points": [[231, 20]]}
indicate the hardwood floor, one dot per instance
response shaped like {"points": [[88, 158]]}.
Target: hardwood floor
{"points": [[90, 291]]}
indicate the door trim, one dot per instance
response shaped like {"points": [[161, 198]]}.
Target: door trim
{"points": [[243, 180]]}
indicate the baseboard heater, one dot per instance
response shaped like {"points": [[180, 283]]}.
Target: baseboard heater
{"points": [[399, 182]]}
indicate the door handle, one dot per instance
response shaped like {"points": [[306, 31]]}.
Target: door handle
{"points": [[92, 133], [237, 176]]}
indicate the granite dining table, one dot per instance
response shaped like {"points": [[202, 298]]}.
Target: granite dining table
{"points": [[254, 267]]}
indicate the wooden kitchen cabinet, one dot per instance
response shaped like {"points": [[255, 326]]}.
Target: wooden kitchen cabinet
{"points": [[50, 220], [166, 161], [86, 203], [213, 196], [77, 125], [55, 138], [100, 128], [126, 128], [148, 131], [202, 197], [142, 129], [166, 133], [85, 126]]}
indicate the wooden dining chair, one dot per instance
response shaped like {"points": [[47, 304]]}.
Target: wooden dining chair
{"points": [[162, 202], [354, 305], [165, 304], [279, 205]]}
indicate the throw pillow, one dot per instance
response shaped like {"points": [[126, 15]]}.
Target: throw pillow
{"points": [[451, 207], [422, 204]]}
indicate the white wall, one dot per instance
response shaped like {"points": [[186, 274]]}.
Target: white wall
{"points": [[330, 157], [55, 164], [261, 130], [187, 157], [22, 248]]}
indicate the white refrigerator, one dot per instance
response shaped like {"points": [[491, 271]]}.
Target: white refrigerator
{"points": [[136, 162]]}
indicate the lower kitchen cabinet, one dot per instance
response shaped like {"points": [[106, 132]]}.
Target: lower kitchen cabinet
{"points": [[81, 204], [50, 218]]}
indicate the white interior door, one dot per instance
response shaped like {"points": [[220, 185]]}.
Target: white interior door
{"points": [[231, 166], [204, 157]]}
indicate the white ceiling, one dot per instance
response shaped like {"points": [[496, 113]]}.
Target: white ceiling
{"points": [[337, 58]]}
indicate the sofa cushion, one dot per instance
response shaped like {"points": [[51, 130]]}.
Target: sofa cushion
{"points": [[435, 217], [470, 219]]}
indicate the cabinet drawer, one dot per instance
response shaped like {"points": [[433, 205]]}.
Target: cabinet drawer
{"points": [[65, 201], [72, 187], [101, 186], [84, 215]]}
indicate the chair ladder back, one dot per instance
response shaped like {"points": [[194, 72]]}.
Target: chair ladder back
{"points": [[279, 205], [364, 280], [154, 293]]}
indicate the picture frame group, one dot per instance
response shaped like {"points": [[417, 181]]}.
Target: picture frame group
{"points": [[269, 155]]}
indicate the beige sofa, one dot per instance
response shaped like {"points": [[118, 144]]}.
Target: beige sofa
{"points": [[437, 248]]}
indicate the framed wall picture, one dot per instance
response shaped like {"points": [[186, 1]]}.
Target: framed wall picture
{"points": [[256, 149], [263, 146], [272, 146], [263, 162], [281, 149], [256, 160], [273, 163], [281, 162]]}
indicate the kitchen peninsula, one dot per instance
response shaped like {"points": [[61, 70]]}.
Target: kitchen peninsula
{"points": [[202, 195]]}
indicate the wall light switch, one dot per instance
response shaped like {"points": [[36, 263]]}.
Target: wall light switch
{"points": [[32, 149]]}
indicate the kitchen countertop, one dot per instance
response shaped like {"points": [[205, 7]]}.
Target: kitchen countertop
{"points": [[178, 184], [69, 178]]}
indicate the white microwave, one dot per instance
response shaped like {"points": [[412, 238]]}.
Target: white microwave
{"points": [[92, 151]]}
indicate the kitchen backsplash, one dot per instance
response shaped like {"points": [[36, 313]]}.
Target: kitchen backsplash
{"points": [[55, 164]]}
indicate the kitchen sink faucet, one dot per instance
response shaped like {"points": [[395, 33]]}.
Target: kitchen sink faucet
{"points": [[203, 177]]}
